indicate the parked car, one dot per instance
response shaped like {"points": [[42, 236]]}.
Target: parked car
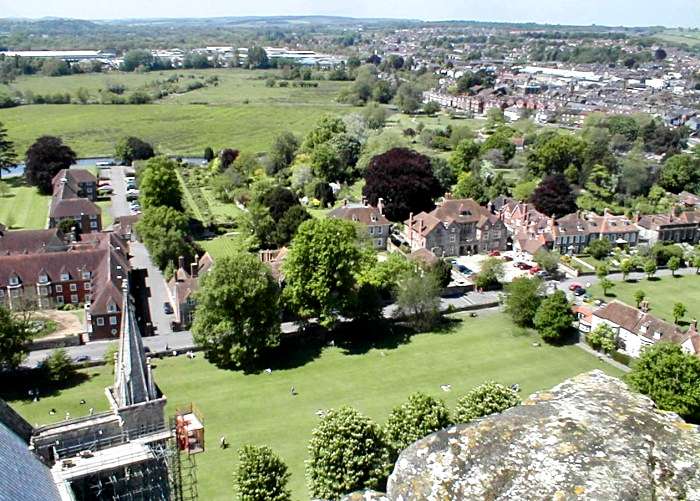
{"points": [[132, 194], [167, 308], [81, 358], [494, 253], [535, 269], [105, 188], [104, 163], [543, 274], [580, 291], [522, 266], [575, 286], [507, 258]]}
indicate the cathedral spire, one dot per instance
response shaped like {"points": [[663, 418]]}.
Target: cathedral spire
{"points": [[132, 378]]}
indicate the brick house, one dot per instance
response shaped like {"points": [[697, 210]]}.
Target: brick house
{"points": [[456, 227], [372, 219], [671, 228], [183, 285], [637, 329], [89, 272], [74, 192]]}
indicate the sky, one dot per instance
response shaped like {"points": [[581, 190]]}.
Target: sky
{"points": [[671, 13]]}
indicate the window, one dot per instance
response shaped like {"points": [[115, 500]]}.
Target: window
{"points": [[14, 280], [371, 230], [43, 278], [93, 224], [59, 288], [93, 218], [59, 300], [111, 307], [86, 275], [43, 291], [379, 242], [86, 286], [73, 287], [65, 277], [88, 298], [100, 321], [112, 320], [74, 298], [190, 300]]}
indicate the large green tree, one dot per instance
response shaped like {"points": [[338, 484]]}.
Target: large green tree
{"points": [[680, 172], [418, 298], [45, 158], [463, 155], [523, 297], [554, 317], [237, 317], [15, 335], [164, 232], [670, 378], [132, 148], [321, 269], [416, 418], [347, 452], [8, 156], [159, 185], [553, 153], [261, 475]]}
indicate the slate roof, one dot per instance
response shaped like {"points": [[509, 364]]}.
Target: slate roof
{"points": [[31, 241], [365, 214], [67, 200], [23, 476], [636, 321]]}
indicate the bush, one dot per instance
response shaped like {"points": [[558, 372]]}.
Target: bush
{"points": [[420, 416], [485, 399], [623, 358], [58, 367], [261, 475], [348, 452]]}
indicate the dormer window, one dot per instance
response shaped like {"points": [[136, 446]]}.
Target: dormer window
{"points": [[111, 307], [374, 218], [86, 275], [43, 278], [65, 277], [14, 280]]}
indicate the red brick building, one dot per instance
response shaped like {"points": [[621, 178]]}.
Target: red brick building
{"points": [[74, 192]]}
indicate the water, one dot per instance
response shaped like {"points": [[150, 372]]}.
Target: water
{"points": [[18, 170]]}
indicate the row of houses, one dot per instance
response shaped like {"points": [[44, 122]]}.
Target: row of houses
{"points": [[636, 329], [73, 199]]}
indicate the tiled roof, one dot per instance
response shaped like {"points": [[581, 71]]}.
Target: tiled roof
{"points": [[31, 241], [66, 200], [364, 214], [638, 322], [657, 221]]}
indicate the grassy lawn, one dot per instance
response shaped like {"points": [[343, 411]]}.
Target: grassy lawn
{"points": [[675, 36], [220, 246], [661, 292], [24, 206], [106, 206], [240, 112], [259, 408], [223, 212]]}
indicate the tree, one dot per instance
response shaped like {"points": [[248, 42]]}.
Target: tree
{"points": [[416, 418], [470, 185], [163, 231], [261, 475], [321, 269], [15, 335], [599, 248], [431, 108], [523, 191], [554, 317], [282, 152], [484, 400], [680, 172], [374, 115], [463, 155], [404, 179], [626, 267], [287, 225], [606, 284], [673, 264], [347, 452], [554, 196], [418, 298], [208, 154], [58, 367], [257, 58], [650, 268], [444, 173], [8, 156], [523, 297], [132, 148], [490, 274], [679, 311], [325, 129], [639, 296], [602, 270], [136, 58], [45, 158], [323, 192], [670, 378], [279, 200], [553, 153], [500, 140], [547, 260], [602, 338], [237, 317], [408, 97], [159, 185]]}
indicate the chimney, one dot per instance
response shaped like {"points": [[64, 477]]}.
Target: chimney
{"points": [[693, 325], [410, 228], [181, 263], [364, 201], [193, 269], [380, 206], [345, 202]]}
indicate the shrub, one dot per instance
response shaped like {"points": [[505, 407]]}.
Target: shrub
{"points": [[261, 475], [418, 417], [485, 399], [58, 367]]}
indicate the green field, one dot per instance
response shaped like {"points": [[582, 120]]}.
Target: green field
{"points": [[220, 246], [240, 112], [691, 39], [661, 292], [259, 408], [106, 206], [27, 209]]}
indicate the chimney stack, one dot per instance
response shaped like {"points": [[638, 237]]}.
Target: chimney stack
{"points": [[181, 262], [193, 270], [380, 206]]}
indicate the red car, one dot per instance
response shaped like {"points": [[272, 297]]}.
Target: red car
{"points": [[494, 253], [535, 269], [575, 286], [522, 266]]}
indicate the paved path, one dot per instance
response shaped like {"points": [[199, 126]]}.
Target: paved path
{"points": [[602, 357]]}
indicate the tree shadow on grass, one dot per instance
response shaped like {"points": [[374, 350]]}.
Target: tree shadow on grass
{"points": [[654, 279], [16, 385]]}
